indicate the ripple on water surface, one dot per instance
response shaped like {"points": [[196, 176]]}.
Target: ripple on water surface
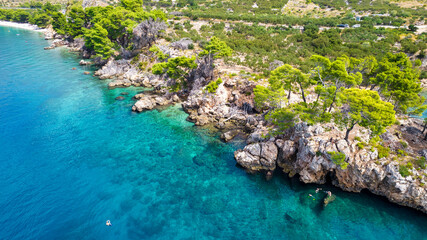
{"points": [[72, 157]]}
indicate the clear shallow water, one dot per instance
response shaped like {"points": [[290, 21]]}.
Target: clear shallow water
{"points": [[71, 157]]}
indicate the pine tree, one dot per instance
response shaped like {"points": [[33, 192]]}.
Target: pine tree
{"points": [[365, 108]]}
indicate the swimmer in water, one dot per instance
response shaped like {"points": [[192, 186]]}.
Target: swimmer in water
{"points": [[318, 189], [108, 223]]}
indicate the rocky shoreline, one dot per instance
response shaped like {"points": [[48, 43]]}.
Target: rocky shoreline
{"points": [[304, 151]]}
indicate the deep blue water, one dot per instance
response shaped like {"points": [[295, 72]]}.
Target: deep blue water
{"points": [[71, 157]]}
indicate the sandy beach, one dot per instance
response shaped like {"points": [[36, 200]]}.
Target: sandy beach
{"points": [[21, 25]]}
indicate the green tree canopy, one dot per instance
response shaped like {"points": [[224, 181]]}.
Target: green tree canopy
{"points": [[398, 81], [97, 39], [290, 78], [217, 48], [177, 69], [365, 108]]}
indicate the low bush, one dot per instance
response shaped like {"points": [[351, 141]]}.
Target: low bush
{"points": [[213, 86]]}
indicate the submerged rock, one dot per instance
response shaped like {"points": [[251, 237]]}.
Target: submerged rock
{"points": [[120, 98]]}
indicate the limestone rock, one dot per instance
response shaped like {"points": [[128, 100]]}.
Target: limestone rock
{"points": [[258, 156], [305, 150], [148, 102], [182, 44], [229, 135]]}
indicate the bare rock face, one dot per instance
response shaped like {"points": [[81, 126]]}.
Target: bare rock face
{"points": [[49, 34], [77, 44], [145, 33], [258, 156], [113, 68], [305, 150], [275, 64], [182, 44], [148, 101], [229, 104]]}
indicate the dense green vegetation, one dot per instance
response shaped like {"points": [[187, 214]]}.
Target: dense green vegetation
{"points": [[339, 159], [348, 91], [42, 16], [177, 69], [271, 11], [258, 45], [105, 30], [213, 86]]}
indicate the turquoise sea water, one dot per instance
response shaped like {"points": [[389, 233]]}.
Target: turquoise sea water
{"points": [[71, 157]]}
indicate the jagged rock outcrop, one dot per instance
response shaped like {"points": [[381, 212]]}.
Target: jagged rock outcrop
{"points": [[148, 101], [258, 156], [228, 107], [56, 43], [145, 33], [305, 150], [77, 45], [114, 68], [182, 44], [49, 33]]}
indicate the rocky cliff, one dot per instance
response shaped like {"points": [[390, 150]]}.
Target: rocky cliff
{"points": [[306, 151]]}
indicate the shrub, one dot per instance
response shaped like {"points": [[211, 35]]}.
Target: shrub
{"points": [[421, 162], [339, 159], [404, 171], [404, 144], [374, 140], [159, 54], [213, 86], [142, 65], [134, 60], [360, 145], [401, 153]]}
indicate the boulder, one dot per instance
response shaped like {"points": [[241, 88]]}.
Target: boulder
{"points": [[143, 104], [83, 62], [182, 44], [229, 135], [258, 156]]}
